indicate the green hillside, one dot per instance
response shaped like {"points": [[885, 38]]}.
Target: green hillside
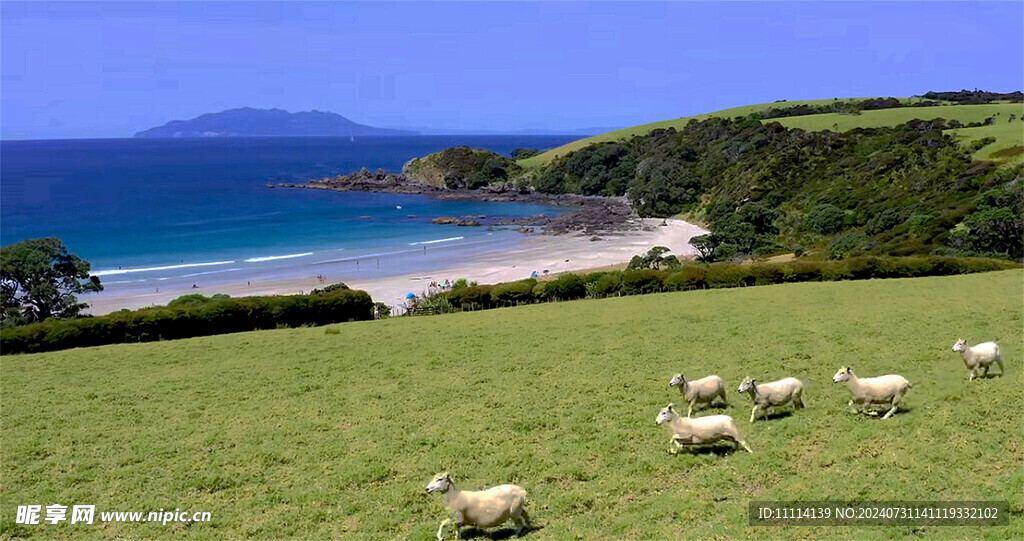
{"points": [[831, 121], [303, 433], [1008, 147]]}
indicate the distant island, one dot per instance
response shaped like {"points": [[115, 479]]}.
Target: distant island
{"points": [[249, 122]]}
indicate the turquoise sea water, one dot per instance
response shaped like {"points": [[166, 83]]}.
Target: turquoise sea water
{"points": [[153, 212]]}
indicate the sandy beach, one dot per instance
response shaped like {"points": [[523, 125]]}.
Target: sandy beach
{"points": [[552, 253]]}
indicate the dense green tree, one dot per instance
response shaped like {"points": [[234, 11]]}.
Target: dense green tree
{"points": [[761, 217], [733, 230], [846, 245], [705, 246], [884, 221], [998, 230], [655, 259], [39, 279], [523, 153], [826, 219]]}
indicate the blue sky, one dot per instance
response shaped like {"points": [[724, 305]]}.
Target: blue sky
{"points": [[108, 70]]}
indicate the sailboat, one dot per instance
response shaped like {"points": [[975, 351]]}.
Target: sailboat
{"points": [[352, 138]]}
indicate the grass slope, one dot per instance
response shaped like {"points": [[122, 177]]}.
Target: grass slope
{"points": [[545, 157], [302, 433], [1012, 135], [1009, 145]]}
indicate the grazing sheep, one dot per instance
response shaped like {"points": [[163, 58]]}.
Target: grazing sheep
{"points": [[699, 391], [481, 508], [774, 394], [980, 357], [688, 432], [883, 390]]}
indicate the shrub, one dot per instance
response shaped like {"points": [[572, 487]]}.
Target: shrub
{"points": [[762, 274], [801, 271], [833, 271], [381, 310], [478, 296], [439, 303], [689, 277], [565, 287], [636, 282], [846, 245], [191, 317], [514, 292], [725, 275], [190, 300], [330, 289], [826, 219], [883, 221], [608, 284]]}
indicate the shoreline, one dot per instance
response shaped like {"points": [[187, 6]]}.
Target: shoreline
{"points": [[554, 253], [595, 232]]}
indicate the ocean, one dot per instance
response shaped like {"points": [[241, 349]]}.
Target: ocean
{"points": [[152, 213]]}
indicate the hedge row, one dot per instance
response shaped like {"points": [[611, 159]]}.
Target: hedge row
{"points": [[215, 316], [715, 275]]}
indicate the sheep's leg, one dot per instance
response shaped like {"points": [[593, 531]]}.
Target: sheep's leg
{"points": [[522, 522], [738, 442], [689, 411], [440, 529], [798, 402], [895, 406], [674, 448], [752, 412]]}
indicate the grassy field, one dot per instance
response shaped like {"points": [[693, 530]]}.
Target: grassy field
{"points": [[1009, 145], [312, 433], [1007, 136]]}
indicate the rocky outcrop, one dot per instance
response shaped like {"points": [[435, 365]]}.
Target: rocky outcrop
{"points": [[449, 220], [591, 215]]}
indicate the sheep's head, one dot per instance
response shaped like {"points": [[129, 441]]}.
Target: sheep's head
{"points": [[747, 385], [677, 380], [843, 374], [960, 345], [665, 414], [442, 482]]}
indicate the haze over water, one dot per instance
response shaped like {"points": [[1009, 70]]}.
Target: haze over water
{"points": [[150, 213]]}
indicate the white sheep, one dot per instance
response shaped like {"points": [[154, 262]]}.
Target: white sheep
{"points": [[774, 394], [699, 391], [688, 432], [481, 508], [882, 390], [980, 357]]}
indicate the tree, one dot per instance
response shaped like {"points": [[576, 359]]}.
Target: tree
{"points": [[523, 153], [39, 279], [997, 230], [825, 219], [655, 258], [705, 245]]}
